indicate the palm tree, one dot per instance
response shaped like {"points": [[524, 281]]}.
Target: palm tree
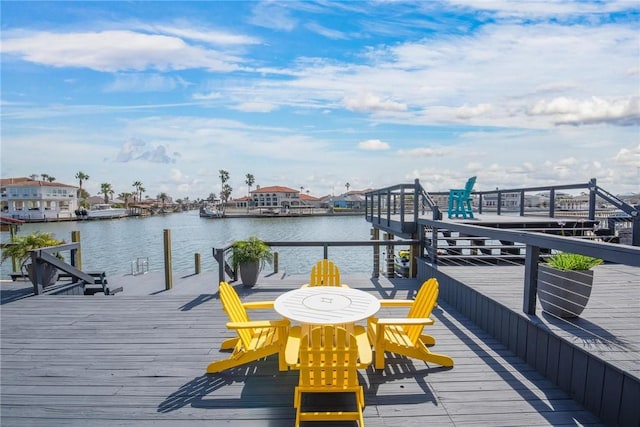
{"points": [[51, 178], [162, 196], [225, 193], [107, 190], [81, 177], [347, 185], [138, 186], [125, 197], [250, 180], [44, 176]]}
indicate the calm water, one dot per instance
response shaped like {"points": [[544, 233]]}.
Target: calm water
{"points": [[111, 245]]}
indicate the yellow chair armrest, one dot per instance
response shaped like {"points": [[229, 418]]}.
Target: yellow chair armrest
{"points": [[292, 348], [396, 303], [406, 321], [258, 324], [364, 346], [258, 304]]}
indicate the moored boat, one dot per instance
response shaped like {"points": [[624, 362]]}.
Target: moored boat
{"points": [[102, 211], [401, 263], [211, 211]]}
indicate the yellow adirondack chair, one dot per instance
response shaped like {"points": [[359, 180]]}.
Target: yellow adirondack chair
{"points": [[404, 335], [329, 361], [256, 339], [325, 273]]}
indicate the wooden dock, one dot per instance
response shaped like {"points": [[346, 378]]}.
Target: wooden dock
{"points": [[139, 358]]}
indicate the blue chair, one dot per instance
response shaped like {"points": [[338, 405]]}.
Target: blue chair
{"points": [[460, 200]]}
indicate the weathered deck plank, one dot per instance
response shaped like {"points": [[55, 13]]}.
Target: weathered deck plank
{"points": [[134, 359]]}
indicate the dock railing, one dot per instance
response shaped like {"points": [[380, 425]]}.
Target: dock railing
{"points": [[226, 270], [535, 244], [403, 203]]}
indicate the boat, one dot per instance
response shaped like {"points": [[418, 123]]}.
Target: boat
{"points": [[401, 263], [102, 211], [211, 211]]}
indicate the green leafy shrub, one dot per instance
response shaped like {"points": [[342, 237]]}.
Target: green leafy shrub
{"points": [[20, 247], [571, 261], [251, 250]]}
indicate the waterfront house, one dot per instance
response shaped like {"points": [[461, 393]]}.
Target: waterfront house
{"points": [[276, 197], [32, 200]]}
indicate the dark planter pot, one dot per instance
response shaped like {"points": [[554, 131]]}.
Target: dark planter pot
{"points": [[564, 293], [249, 273], [49, 274]]}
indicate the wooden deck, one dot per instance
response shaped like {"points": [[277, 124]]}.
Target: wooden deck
{"points": [[139, 358], [608, 327]]}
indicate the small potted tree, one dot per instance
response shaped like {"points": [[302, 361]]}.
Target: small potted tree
{"points": [[20, 248], [564, 283], [250, 257]]}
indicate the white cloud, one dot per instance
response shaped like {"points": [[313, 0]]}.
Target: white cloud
{"points": [[595, 110], [256, 107], [373, 145], [144, 83], [113, 51], [466, 112], [371, 102]]}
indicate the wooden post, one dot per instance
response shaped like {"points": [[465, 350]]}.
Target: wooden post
{"points": [[168, 276], [76, 260], [197, 261], [275, 262]]}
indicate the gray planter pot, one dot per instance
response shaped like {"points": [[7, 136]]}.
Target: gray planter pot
{"points": [[49, 274], [564, 293], [249, 273]]}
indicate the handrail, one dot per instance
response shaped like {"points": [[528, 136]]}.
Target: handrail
{"points": [[376, 213], [224, 268], [615, 253]]}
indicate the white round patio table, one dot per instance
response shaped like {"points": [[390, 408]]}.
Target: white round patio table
{"points": [[326, 305]]}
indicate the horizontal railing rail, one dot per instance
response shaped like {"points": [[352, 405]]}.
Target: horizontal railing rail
{"points": [[398, 207], [225, 269], [534, 244]]}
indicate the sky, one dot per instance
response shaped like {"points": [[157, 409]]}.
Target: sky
{"points": [[313, 95]]}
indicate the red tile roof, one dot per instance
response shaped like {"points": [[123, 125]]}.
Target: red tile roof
{"points": [[274, 189], [28, 182]]}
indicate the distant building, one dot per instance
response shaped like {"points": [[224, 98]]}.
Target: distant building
{"points": [[29, 199], [350, 200], [276, 197]]}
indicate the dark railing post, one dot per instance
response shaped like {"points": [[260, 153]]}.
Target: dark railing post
{"points": [[592, 199], [499, 203], [552, 203], [218, 254], [522, 203], [418, 194], [480, 203], [530, 279], [326, 251]]}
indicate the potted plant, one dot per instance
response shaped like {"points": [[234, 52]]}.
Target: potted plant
{"points": [[250, 256], [20, 249], [564, 283]]}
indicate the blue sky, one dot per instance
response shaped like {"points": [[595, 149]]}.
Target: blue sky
{"points": [[318, 94]]}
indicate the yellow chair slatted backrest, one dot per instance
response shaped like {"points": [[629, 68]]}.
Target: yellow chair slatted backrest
{"points": [[421, 308], [256, 339], [329, 364], [404, 335], [232, 305], [325, 273]]}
